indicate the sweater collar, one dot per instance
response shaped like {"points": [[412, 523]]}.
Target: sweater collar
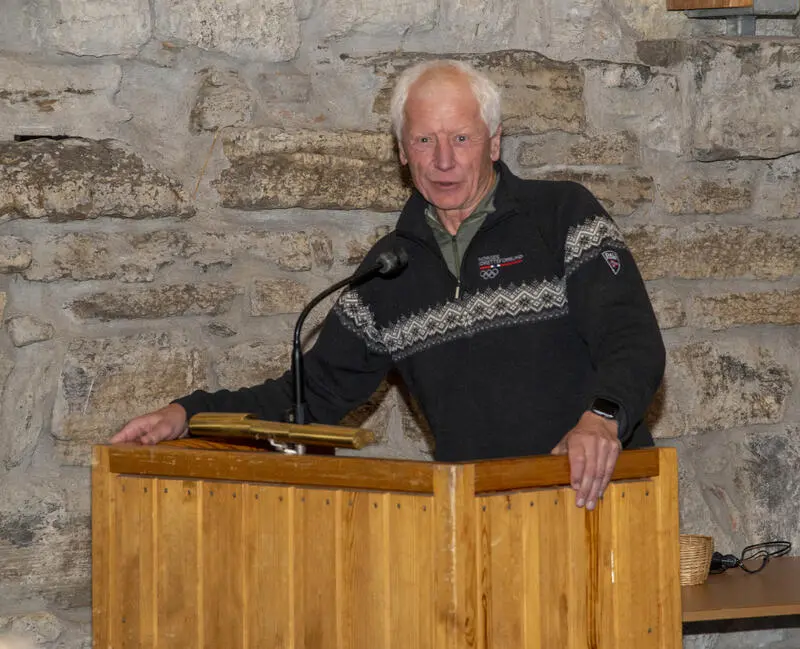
{"points": [[412, 219]]}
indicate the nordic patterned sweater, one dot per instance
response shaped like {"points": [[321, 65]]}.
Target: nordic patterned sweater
{"points": [[549, 311]]}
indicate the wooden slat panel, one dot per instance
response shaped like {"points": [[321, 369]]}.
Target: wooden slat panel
{"points": [[133, 613], [531, 567], [605, 607], [410, 569], [563, 567], [674, 5], [222, 564], [455, 537], [503, 557], [269, 541], [635, 588], [363, 570], [315, 569], [668, 546], [103, 513], [553, 471], [178, 582], [307, 470]]}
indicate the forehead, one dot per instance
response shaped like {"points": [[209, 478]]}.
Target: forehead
{"points": [[443, 99]]}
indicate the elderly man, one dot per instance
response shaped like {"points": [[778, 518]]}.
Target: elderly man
{"points": [[521, 324]]}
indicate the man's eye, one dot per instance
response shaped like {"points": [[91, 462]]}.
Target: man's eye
{"points": [[424, 140], [461, 138]]}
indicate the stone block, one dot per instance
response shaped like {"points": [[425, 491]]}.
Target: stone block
{"points": [[721, 385], [106, 382], [761, 76], [27, 329], [15, 254], [710, 250], [637, 99], [244, 28], [252, 363], [40, 627], [283, 86], [40, 97], [138, 257], [584, 29], [71, 180], [557, 148], [778, 307], [338, 18], [356, 248], [764, 79], [155, 302], [399, 427], [27, 387], [360, 145], [287, 250], [778, 195], [3, 299], [273, 170], [223, 100], [621, 191], [668, 307], [45, 546], [321, 249], [538, 94], [741, 488], [127, 257], [93, 29], [276, 296], [704, 189]]}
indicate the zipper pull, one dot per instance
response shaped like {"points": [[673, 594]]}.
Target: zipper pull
{"points": [[458, 290]]}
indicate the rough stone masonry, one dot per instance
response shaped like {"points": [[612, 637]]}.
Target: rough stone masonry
{"points": [[177, 178]]}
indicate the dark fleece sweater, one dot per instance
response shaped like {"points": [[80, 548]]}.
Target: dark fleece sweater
{"points": [[549, 312]]}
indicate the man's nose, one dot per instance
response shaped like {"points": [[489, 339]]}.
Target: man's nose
{"points": [[444, 155]]}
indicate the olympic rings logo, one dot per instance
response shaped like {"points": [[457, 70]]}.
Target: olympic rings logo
{"points": [[490, 273]]}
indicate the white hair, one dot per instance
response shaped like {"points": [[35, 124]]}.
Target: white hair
{"points": [[485, 91]]}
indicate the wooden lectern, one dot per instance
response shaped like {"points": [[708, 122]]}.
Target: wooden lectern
{"points": [[229, 549]]}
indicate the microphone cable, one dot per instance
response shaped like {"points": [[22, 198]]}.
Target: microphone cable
{"points": [[758, 551]]}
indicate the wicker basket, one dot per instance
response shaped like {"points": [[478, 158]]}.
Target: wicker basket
{"points": [[696, 554]]}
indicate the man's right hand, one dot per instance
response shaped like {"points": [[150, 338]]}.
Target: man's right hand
{"points": [[167, 423]]}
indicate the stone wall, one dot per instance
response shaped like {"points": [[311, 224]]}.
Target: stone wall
{"points": [[177, 178]]}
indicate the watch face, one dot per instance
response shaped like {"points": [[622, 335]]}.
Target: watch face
{"points": [[605, 408]]}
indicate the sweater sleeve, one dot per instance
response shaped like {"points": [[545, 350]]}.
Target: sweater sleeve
{"points": [[342, 370], [611, 308]]}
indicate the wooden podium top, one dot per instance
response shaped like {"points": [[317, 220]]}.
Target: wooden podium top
{"points": [[737, 594]]}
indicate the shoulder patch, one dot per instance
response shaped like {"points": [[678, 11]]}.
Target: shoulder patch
{"points": [[612, 259]]}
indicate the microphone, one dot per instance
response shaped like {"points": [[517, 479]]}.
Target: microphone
{"points": [[389, 263]]}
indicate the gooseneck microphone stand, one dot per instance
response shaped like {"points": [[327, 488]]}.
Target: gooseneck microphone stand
{"points": [[387, 264]]}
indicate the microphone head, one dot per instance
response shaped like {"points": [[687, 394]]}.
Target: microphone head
{"points": [[392, 261]]}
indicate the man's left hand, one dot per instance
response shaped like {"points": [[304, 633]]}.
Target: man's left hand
{"points": [[593, 447]]}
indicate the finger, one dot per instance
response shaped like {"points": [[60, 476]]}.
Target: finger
{"points": [[611, 462], [158, 432], [577, 466], [602, 449], [588, 475], [559, 449], [130, 432]]}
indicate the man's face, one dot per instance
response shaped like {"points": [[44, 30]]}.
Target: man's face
{"points": [[446, 144]]}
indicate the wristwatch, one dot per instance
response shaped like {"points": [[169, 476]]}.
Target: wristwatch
{"points": [[605, 408]]}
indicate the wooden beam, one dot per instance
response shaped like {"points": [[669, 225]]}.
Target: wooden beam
{"points": [[678, 5]]}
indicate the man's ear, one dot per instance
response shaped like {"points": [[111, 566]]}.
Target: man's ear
{"points": [[494, 144], [402, 152]]}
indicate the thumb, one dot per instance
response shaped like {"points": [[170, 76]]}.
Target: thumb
{"points": [[560, 448]]}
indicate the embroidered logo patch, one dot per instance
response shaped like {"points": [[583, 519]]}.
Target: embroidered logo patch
{"points": [[612, 259], [491, 265]]}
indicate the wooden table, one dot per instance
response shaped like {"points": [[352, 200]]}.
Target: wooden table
{"points": [[737, 594]]}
